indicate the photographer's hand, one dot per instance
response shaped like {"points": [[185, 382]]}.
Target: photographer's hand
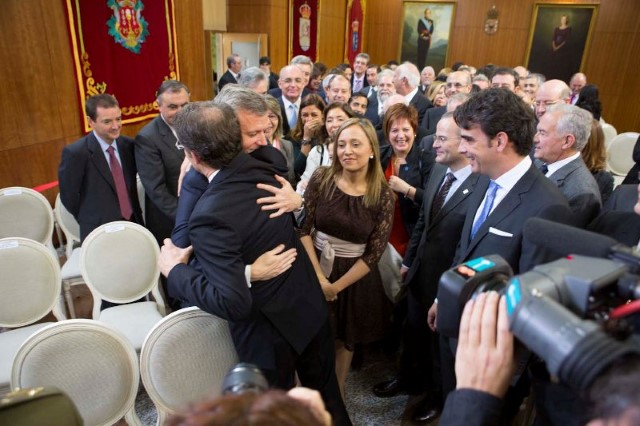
{"points": [[484, 359]]}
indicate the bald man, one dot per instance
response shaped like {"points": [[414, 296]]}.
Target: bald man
{"points": [[550, 93]]}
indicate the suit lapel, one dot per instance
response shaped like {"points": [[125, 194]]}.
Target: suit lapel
{"points": [[167, 137], [98, 159], [506, 206], [464, 190], [433, 186], [561, 174]]}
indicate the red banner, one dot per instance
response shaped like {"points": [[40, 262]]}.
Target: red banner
{"points": [[303, 28], [355, 30], [125, 48]]}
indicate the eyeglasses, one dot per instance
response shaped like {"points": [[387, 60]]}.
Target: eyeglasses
{"points": [[291, 80], [456, 85], [546, 104]]}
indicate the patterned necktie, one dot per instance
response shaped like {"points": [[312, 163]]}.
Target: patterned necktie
{"points": [[357, 85], [121, 187], [544, 169], [438, 202], [293, 116], [488, 204]]}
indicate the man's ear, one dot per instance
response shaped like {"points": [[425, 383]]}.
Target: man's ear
{"points": [[569, 141]]}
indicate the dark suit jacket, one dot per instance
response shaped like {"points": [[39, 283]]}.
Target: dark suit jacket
{"points": [[434, 240], [285, 123], [273, 80], [372, 111], [416, 173], [623, 226], [532, 196], [226, 78], [427, 143], [228, 230], [578, 185], [431, 118], [86, 184], [365, 83], [158, 162], [421, 104], [624, 198]]}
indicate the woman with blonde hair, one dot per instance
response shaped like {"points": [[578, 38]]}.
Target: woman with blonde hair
{"points": [[436, 93], [349, 211]]}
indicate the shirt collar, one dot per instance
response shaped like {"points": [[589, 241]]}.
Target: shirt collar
{"points": [[509, 179], [554, 167], [461, 174], [104, 145], [411, 94], [286, 103]]}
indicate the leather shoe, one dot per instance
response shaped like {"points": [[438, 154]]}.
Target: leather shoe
{"points": [[391, 388], [426, 412]]}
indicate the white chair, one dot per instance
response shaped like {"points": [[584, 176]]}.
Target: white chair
{"points": [[610, 132], [620, 153], [29, 290], [93, 364], [119, 264], [26, 213], [71, 274], [184, 360]]}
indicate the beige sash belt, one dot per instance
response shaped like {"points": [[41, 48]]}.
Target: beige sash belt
{"points": [[330, 247]]}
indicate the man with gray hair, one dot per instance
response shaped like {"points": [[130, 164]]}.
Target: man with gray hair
{"points": [[457, 82], [234, 63], [577, 82], [255, 79], [385, 89], [427, 75], [305, 64], [550, 93], [280, 324], [563, 132], [532, 84], [406, 79]]}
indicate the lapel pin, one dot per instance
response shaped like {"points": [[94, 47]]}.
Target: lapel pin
{"points": [[465, 192]]}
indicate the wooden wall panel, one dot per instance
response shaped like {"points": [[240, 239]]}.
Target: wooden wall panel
{"points": [[331, 32], [39, 99], [612, 60]]}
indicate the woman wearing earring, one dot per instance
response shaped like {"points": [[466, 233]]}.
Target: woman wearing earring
{"points": [[345, 252], [406, 167]]}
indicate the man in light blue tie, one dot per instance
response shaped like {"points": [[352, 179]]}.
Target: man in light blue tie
{"points": [[497, 130]]}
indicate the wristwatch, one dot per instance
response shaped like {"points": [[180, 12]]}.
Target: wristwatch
{"points": [[305, 142]]}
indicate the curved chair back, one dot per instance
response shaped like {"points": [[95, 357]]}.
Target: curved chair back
{"points": [[184, 360], [68, 224], [26, 213], [119, 262], [620, 153], [93, 364], [610, 132], [30, 285]]}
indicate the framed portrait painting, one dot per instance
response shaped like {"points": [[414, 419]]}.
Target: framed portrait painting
{"points": [[559, 39], [426, 29]]}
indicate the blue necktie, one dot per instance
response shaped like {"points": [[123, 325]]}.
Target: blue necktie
{"points": [[486, 209], [293, 117]]}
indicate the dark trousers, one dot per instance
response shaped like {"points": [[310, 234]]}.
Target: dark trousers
{"points": [[420, 361], [316, 368]]}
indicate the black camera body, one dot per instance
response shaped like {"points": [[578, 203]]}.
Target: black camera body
{"points": [[555, 309]]}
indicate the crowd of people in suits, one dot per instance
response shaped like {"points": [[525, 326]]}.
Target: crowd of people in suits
{"points": [[277, 203]]}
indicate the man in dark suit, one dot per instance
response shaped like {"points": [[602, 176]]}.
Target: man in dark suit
{"points": [[425, 31], [159, 160], [372, 81], [265, 66], [234, 63], [406, 79], [497, 133], [281, 324], [430, 253], [457, 82], [385, 90], [563, 131], [288, 94], [359, 79], [97, 173]]}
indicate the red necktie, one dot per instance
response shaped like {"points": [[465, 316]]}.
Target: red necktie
{"points": [[121, 187]]}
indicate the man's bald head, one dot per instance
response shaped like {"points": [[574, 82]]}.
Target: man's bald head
{"points": [[550, 93]]}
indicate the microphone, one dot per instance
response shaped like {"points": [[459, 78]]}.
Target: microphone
{"points": [[564, 240]]}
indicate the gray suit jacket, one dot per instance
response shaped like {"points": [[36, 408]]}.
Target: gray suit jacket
{"points": [[580, 188], [158, 162]]}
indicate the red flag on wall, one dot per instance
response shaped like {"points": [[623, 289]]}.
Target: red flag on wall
{"points": [[303, 28], [354, 30], [125, 48]]}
